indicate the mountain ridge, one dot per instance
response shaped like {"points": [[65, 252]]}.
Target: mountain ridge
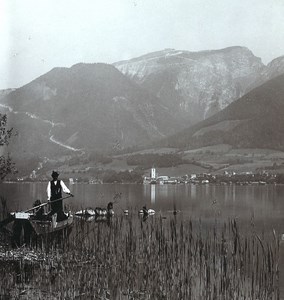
{"points": [[195, 85], [97, 107], [257, 116]]}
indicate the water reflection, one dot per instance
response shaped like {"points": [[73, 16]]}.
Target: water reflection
{"points": [[264, 203], [193, 191], [153, 193]]}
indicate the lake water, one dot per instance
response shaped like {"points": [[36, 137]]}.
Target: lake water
{"points": [[262, 206], [256, 208]]}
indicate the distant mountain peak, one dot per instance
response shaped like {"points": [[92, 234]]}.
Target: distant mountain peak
{"points": [[171, 52], [276, 66], [95, 106], [91, 65], [86, 106], [195, 85]]}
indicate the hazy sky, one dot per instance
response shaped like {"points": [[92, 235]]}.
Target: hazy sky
{"points": [[37, 35]]}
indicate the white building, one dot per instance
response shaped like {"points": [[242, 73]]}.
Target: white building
{"points": [[153, 173]]}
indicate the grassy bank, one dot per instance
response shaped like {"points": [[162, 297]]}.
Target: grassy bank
{"points": [[156, 259]]}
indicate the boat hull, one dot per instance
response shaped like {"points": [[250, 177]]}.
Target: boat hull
{"points": [[47, 227], [26, 229]]}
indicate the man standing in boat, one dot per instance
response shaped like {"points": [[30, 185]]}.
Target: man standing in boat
{"points": [[55, 188]]}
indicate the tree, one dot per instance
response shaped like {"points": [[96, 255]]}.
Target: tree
{"points": [[6, 164]]}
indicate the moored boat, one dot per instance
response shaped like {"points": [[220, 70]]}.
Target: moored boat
{"points": [[42, 227], [26, 227]]}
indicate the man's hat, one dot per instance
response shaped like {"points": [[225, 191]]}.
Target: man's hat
{"points": [[54, 174]]}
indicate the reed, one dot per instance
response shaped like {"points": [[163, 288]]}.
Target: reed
{"points": [[4, 208], [157, 259]]}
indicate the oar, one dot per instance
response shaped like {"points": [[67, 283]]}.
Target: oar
{"points": [[49, 202]]}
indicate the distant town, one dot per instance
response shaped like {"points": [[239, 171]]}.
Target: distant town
{"points": [[243, 178]]}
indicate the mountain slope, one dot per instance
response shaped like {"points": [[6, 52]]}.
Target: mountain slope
{"points": [[87, 106], [195, 85], [5, 92], [256, 120], [273, 69]]}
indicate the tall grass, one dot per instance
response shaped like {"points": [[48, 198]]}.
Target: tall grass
{"points": [[157, 259], [4, 208]]}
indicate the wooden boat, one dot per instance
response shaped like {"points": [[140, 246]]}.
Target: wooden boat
{"points": [[44, 225], [26, 225], [26, 229]]}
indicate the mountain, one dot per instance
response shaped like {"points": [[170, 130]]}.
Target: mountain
{"points": [[273, 69], [256, 120], [88, 107], [195, 85], [5, 92], [130, 104]]}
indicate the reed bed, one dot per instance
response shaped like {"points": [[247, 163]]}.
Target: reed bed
{"points": [[128, 258]]}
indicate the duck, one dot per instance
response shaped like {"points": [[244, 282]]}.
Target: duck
{"points": [[105, 211], [146, 212], [174, 212], [88, 212], [98, 211]]}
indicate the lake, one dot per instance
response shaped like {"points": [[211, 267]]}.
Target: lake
{"points": [[256, 208], [261, 205]]}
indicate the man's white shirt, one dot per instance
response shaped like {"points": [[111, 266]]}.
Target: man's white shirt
{"points": [[64, 188]]}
